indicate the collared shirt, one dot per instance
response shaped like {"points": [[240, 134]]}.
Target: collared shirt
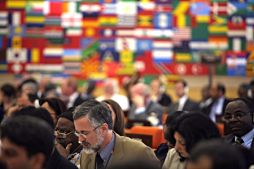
{"points": [[217, 108], [72, 99], [247, 138], [106, 153], [182, 101]]}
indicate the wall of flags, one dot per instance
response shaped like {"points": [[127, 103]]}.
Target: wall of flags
{"points": [[100, 38]]}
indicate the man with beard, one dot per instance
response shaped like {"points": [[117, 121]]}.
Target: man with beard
{"points": [[103, 148], [239, 119]]}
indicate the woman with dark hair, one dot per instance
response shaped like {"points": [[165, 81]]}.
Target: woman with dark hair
{"points": [[190, 129], [117, 116], [55, 107]]}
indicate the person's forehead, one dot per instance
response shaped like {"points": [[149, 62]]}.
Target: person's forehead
{"points": [[63, 122], [82, 123], [6, 144]]}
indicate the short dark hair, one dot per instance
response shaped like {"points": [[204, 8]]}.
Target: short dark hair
{"points": [[195, 127], [56, 104], [215, 150], [221, 87], [34, 134], [97, 112], [184, 82], [40, 113], [8, 90]]}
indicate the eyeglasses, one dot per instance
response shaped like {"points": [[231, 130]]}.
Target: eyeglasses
{"points": [[86, 133], [237, 116], [62, 134]]}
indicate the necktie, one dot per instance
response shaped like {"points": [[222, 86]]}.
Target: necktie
{"points": [[238, 140], [99, 161]]}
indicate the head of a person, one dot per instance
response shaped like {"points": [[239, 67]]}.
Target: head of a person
{"points": [[93, 125], [190, 129], [217, 90], [69, 86], [40, 113], [65, 130], [24, 98], [243, 90], [156, 86], [139, 91], [169, 125], [209, 155], [26, 143], [7, 93], [110, 87], [181, 88], [238, 116], [117, 116], [29, 85], [55, 107], [205, 92]]}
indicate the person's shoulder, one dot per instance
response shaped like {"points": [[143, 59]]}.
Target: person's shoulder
{"points": [[130, 143]]}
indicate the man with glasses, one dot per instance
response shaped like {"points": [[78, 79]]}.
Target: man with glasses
{"points": [[103, 148], [238, 118], [66, 140]]}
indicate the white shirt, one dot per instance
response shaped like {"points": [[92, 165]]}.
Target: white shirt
{"points": [[120, 99], [217, 108], [72, 99], [181, 102]]}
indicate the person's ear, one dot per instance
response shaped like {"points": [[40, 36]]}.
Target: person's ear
{"points": [[37, 161]]}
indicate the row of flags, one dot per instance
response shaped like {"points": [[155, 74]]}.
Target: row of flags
{"points": [[86, 38]]}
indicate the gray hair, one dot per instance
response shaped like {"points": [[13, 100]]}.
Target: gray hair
{"points": [[97, 113]]}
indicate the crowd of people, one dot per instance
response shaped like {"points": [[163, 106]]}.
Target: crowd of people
{"points": [[50, 126]]}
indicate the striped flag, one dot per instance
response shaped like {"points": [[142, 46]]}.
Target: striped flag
{"points": [[71, 20], [34, 55], [72, 68], [16, 4], [181, 34], [236, 64], [44, 68], [162, 51], [3, 22], [71, 55], [126, 20], [108, 20], [109, 9]]}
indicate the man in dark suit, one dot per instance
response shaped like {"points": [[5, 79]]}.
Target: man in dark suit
{"points": [[216, 109], [184, 103], [239, 119], [143, 108]]}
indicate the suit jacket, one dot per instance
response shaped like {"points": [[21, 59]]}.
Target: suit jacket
{"points": [[189, 105], [230, 137], [128, 153], [152, 107]]}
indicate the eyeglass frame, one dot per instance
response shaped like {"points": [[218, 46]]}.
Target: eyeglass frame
{"points": [[62, 134], [86, 133]]}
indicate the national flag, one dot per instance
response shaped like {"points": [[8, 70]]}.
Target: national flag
{"points": [[72, 55], [237, 8], [182, 21], [3, 22], [153, 33], [34, 55], [200, 32], [44, 68], [74, 32], [91, 32], [53, 8], [164, 8], [145, 21], [200, 9], [109, 9], [125, 33], [126, 44], [144, 45], [207, 46], [219, 8], [30, 42], [162, 51], [17, 31], [16, 68], [126, 57], [71, 20], [237, 44], [107, 44], [91, 50], [183, 57], [109, 55], [35, 32], [72, 42], [163, 2], [108, 20], [72, 68], [126, 20], [236, 64], [86, 42], [90, 9], [249, 33], [16, 55], [182, 47], [91, 22], [53, 32], [180, 34], [126, 8], [107, 33], [16, 42], [146, 8], [53, 20], [35, 20], [163, 20], [53, 52], [35, 7], [16, 4], [16, 18]]}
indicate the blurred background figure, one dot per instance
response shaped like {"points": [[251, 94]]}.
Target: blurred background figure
{"points": [[184, 102], [206, 97], [243, 90], [143, 108], [219, 101], [70, 94], [7, 98], [111, 91], [158, 93], [89, 90], [117, 116], [209, 155], [54, 106]]}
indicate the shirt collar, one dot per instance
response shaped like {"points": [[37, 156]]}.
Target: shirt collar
{"points": [[247, 138], [107, 151]]}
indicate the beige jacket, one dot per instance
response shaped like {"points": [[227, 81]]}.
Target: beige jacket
{"points": [[172, 161], [128, 153]]}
